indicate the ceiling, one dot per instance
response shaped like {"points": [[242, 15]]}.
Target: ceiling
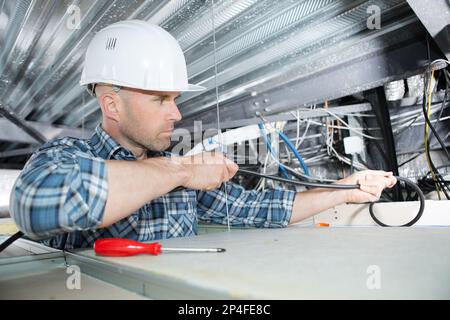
{"points": [[268, 56]]}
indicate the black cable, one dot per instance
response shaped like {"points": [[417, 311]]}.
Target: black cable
{"points": [[303, 177], [5, 244], [438, 137], [444, 101], [438, 177], [10, 240], [427, 184], [419, 213], [381, 151], [301, 183], [409, 160], [427, 74], [439, 167], [351, 186], [444, 183]]}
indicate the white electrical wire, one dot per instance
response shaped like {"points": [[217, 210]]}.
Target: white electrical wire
{"points": [[263, 181], [351, 128], [299, 141], [329, 136], [432, 121], [399, 125], [412, 113], [287, 153], [406, 116], [440, 60], [316, 135], [345, 124]]}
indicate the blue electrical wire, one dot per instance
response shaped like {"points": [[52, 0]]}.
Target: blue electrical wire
{"points": [[297, 155], [290, 146], [269, 147]]}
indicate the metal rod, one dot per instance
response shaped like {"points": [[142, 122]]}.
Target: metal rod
{"points": [[6, 112], [193, 249]]}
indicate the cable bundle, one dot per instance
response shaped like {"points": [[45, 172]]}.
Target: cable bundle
{"points": [[439, 182]]}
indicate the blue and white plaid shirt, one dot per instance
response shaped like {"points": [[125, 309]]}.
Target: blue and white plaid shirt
{"points": [[63, 189]]}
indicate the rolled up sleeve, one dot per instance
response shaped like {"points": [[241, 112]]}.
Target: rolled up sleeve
{"points": [[246, 208], [60, 190]]}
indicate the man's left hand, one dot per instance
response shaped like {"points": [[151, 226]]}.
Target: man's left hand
{"points": [[372, 183]]}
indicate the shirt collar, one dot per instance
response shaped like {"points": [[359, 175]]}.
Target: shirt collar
{"points": [[108, 148]]}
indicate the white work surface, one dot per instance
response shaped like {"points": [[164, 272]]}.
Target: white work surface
{"points": [[303, 263]]}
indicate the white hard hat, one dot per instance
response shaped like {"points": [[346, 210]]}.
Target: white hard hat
{"points": [[136, 54]]}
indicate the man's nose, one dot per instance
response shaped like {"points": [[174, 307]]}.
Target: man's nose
{"points": [[175, 114]]}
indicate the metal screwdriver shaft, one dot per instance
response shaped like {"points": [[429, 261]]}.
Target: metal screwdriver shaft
{"points": [[193, 249]]}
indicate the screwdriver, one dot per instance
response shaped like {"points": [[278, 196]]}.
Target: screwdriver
{"points": [[119, 247]]}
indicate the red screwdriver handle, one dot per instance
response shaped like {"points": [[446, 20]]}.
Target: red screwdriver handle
{"points": [[118, 247]]}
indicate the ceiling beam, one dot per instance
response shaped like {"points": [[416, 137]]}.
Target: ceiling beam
{"points": [[435, 16], [11, 133]]}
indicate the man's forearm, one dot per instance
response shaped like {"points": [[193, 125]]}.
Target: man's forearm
{"points": [[311, 202], [133, 183]]}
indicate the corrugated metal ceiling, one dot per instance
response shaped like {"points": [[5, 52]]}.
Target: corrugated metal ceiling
{"points": [[261, 46]]}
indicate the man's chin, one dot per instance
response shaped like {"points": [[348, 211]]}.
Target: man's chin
{"points": [[160, 147]]}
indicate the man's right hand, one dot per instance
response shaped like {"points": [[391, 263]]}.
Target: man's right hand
{"points": [[208, 170]]}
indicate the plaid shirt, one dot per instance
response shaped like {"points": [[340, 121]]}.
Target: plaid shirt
{"points": [[63, 189]]}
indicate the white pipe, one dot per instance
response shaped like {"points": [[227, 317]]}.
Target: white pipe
{"points": [[7, 180]]}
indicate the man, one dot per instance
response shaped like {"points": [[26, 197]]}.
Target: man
{"points": [[118, 183]]}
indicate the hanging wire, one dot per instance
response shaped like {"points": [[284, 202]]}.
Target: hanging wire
{"points": [[219, 131], [427, 153]]}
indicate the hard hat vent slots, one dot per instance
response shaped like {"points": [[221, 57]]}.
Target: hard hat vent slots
{"points": [[111, 43]]}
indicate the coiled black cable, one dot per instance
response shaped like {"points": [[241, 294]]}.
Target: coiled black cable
{"points": [[419, 213]]}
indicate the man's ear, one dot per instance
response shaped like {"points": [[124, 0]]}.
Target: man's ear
{"points": [[109, 102]]}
